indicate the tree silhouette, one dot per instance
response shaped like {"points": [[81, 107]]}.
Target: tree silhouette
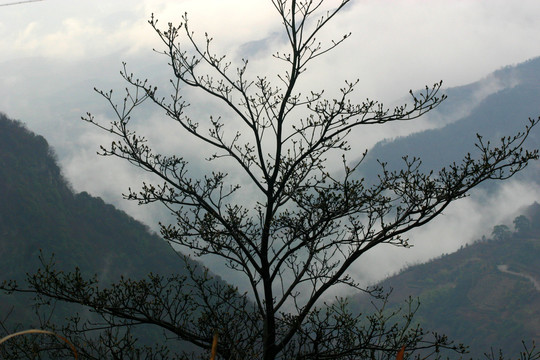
{"points": [[306, 226], [522, 225], [501, 232]]}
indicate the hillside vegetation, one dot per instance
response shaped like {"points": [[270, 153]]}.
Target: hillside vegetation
{"points": [[485, 295], [40, 215], [39, 211]]}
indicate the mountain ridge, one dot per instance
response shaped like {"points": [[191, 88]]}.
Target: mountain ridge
{"points": [[491, 118]]}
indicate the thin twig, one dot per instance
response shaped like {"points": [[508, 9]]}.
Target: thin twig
{"points": [[19, 2]]}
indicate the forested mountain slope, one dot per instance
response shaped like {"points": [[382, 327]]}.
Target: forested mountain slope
{"points": [[39, 213], [38, 210], [485, 295]]}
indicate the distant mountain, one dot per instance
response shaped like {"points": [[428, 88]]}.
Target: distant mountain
{"points": [[513, 96], [486, 295]]}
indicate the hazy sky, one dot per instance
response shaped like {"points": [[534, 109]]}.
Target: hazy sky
{"points": [[53, 53]]}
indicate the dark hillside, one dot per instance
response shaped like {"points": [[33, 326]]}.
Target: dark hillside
{"points": [[486, 295], [40, 213], [38, 210]]}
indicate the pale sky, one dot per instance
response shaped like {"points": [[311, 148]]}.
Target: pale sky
{"points": [[55, 51]]}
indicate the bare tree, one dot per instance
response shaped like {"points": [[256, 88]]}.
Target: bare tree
{"points": [[307, 227]]}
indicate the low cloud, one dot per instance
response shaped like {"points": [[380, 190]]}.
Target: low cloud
{"points": [[462, 223]]}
